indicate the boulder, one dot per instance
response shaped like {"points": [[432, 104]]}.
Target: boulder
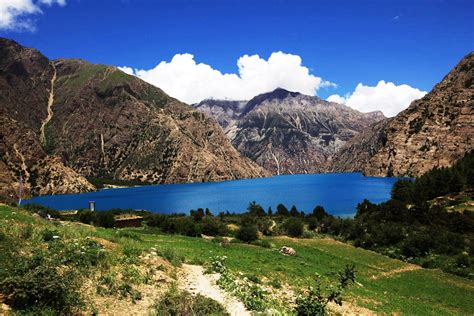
{"points": [[288, 251]]}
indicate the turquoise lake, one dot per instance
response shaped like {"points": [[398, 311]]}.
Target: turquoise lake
{"points": [[339, 193]]}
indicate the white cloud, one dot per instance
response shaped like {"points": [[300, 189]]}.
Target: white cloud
{"points": [[127, 70], [385, 96], [191, 82], [14, 14]]}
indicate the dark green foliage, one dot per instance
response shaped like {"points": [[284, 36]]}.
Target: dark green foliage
{"points": [[48, 235], [437, 182], [319, 212], [294, 227], [247, 233], [312, 223], [270, 211], [294, 212], [282, 210], [213, 227], [255, 209], [197, 215], [38, 283], [104, 219]]}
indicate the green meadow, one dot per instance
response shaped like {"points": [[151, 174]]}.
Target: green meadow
{"points": [[383, 285]]}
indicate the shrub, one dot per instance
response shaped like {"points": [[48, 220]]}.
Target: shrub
{"points": [[315, 299], [48, 235], [247, 233], [36, 283], [294, 227], [104, 219], [213, 227], [176, 302], [312, 223]]}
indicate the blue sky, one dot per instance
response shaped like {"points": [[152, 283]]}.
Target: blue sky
{"points": [[344, 42]]}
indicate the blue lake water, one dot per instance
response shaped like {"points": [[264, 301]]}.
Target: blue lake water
{"points": [[339, 193]]}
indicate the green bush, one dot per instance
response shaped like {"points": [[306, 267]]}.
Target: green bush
{"points": [[212, 226], [176, 302], [247, 233], [37, 283], [48, 235], [294, 227]]}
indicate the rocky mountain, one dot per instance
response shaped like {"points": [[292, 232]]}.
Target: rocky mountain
{"points": [[225, 112], [288, 132], [64, 120], [434, 131]]}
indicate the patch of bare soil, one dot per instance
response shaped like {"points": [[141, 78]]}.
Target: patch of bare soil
{"points": [[193, 280], [348, 308], [388, 274], [105, 243]]}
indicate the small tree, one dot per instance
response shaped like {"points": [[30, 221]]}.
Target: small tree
{"points": [[319, 212], [294, 227], [282, 210], [270, 211], [208, 212], [197, 215], [256, 209], [294, 212], [247, 233]]}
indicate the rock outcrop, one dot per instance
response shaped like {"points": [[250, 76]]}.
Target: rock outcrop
{"points": [[288, 132], [64, 120], [434, 131]]}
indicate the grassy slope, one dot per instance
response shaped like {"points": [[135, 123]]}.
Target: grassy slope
{"points": [[420, 291], [412, 292]]}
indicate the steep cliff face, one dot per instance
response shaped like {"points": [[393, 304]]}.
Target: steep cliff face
{"points": [[287, 132], [25, 85], [434, 131], [66, 119]]}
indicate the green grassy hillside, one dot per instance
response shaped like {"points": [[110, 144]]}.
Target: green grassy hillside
{"points": [[383, 285]]}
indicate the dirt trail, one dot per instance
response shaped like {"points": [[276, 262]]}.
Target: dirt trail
{"points": [[196, 282], [409, 267], [49, 108]]}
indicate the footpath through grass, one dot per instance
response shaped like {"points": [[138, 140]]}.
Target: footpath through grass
{"points": [[384, 284]]}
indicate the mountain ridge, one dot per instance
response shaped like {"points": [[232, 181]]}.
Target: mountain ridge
{"points": [[101, 123], [288, 132], [434, 131]]}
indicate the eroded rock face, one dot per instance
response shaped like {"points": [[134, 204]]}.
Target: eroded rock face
{"points": [[101, 123], [287, 132], [434, 131]]}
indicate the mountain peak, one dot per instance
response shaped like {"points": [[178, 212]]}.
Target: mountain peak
{"points": [[277, 94]]}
